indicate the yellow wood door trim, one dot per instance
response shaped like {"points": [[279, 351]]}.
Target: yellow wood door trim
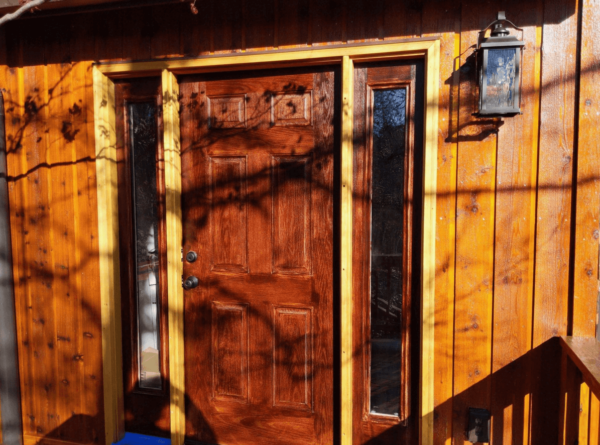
{"points": [[347, 152], [302, 56], [108, 243], [170, 93], [432, 88], [427, 49]]}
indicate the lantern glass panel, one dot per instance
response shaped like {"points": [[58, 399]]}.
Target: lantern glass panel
{"points": [[501, 79]]}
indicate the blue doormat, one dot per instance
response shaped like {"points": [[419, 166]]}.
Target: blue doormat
{"points": [[141, 439]]}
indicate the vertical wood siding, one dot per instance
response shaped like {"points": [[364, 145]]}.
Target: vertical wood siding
{"points": [[52, 192], [513, 268]]}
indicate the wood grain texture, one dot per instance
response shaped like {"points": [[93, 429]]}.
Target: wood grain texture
{"points": [[444, 21], [587, 226], [230, 351], [584, 352], [108, 229], [554, 204], [369, 79], [515, 203], [584, 413], [570, 399], [475, 215], [360, 262], [273, 367], [580, 359], [347, 149], [114, 36], [172, 150], [555, 170], [57, 249], [293, 33], [514, 248], [594, 420], [292, 245], [430, 148], [229, 215], [17, 193], [272, 59], [293, 366]]}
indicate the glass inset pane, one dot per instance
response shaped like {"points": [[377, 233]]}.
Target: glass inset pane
{"points": [[501, 80], [145, 197], [387, 224]]}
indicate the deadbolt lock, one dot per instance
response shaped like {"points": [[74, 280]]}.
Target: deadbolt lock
{"points": [[191, 256]]}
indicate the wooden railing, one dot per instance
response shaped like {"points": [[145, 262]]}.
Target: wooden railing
{"points": [[580, 391]]}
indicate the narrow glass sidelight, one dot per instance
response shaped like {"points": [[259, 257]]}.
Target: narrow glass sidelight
{"points": [[143, 137], [387, 247]]}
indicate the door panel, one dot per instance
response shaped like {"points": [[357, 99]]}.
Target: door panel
{"points": [[258, 200], [388, 128]]}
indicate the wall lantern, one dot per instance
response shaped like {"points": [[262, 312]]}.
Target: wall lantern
{"points": [[499, 59]]}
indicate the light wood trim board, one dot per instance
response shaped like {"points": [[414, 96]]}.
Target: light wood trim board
{"points": [[108, 241], [170, 93], [347, 152]]}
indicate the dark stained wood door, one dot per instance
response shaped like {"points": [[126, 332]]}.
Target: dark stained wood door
{"points": [[258, 200]]}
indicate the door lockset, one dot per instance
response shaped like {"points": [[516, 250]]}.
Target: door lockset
{"points": [[190, 283], [191, 256]]}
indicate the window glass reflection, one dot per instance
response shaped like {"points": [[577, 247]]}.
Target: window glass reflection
{"points": [[387, 224], [500, 78], [145, 198]]}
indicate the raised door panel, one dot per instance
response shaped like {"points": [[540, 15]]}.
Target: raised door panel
{"points": [[227, 112], [292, 109], [291, 214], [228, 214], [230, 351], [293, 357]]}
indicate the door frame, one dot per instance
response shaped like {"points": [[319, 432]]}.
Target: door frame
{"points": [[108, 219]]}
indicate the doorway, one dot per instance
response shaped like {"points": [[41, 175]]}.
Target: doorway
{"points": [[174, 73]]}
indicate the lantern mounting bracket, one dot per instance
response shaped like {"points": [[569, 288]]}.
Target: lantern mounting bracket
{"points": [[501, 19]]}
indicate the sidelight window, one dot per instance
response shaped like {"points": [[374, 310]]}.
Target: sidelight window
{"points": [[143, 140], [142, 243], [387, 246]]}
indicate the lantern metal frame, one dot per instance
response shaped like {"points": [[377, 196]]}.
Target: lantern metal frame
{"points": [[500, 38]]}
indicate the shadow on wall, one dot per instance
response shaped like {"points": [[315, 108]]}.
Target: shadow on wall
{"points": [[113, 35], [518, 391], [78, 423], [512, 386]]}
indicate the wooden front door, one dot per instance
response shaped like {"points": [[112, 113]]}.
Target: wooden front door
{"points": [[258, 200]]}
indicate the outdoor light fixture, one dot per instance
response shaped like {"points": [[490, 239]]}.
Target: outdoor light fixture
{"points": [[500, 70]]}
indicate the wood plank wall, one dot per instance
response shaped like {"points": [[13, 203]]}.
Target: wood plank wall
{"points": [[512, 271], [52, 193]]}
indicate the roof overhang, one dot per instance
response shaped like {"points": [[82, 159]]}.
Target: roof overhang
{"points": [[7, 6]]}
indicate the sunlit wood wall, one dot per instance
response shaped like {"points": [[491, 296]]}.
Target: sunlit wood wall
{"points": [[516, 241]]}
